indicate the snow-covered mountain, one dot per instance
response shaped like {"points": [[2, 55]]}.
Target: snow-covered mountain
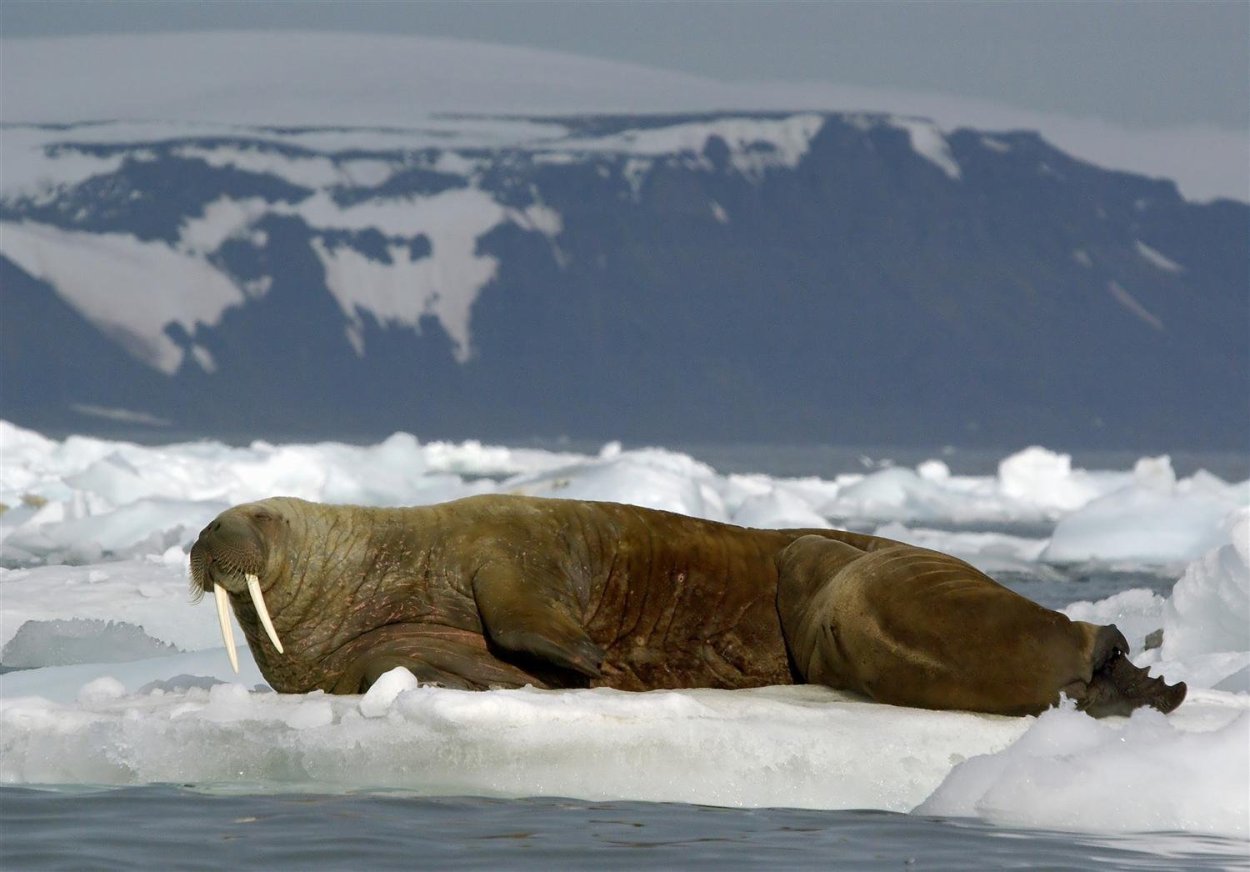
{"points": [[740, 275], [806, 276]]}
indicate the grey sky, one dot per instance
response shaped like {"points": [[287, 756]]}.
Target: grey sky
{"points": [[1136, 63]]}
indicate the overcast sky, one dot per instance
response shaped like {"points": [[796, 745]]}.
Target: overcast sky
{"points": [[1136, 63]]}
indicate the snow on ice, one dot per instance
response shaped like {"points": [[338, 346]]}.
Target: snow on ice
{"points": [[122, 679]]}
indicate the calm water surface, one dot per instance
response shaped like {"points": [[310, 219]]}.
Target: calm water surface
{"points": [[165, 827]]}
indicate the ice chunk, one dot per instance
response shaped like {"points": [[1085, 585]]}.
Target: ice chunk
{"points": [[988, 552], [145, 526], [377, 701], [893, 493], [1137, 613], [63, 642], [177, 672], [311, 714], [101, 690], [653, 478], [1205, 621], [1141, 774], [795, 746], [1153, 519], [150, 594], [778, 508], [1209, 610], [1238, 682], [1046, 479], [179, 683]]}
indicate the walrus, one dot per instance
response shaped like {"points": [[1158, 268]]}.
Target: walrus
{"points": [[501, 591]]}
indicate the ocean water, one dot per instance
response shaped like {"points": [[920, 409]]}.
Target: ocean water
{"points": [[1057, 588], [168, 827]]}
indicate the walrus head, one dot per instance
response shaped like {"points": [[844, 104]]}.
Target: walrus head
{"points": [[230, 556]]}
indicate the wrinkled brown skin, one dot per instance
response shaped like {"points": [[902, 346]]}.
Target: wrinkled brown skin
{"points": [[504, 591], [914, 627]]}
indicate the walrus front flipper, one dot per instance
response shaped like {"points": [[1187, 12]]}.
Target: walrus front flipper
{"points": [[521, 618], [435, 654], [372, 667], [1118, 687]]}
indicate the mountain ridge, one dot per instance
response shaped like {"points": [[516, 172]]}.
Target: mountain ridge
{"points": [[829, 277], [310, 78]]}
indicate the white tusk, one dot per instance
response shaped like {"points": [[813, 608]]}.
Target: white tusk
{"points": [[223, 618], [258, 600]]}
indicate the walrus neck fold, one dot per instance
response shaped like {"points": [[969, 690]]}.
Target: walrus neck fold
{"points": [[340, 572]]}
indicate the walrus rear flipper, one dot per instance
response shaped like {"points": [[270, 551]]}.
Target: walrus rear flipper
{"points": [[518, 618], [1118, 687]]}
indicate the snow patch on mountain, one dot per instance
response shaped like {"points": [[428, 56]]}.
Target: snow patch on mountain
{"points": [[445, 284], [224, 218], [399, 289], [995, 144], [129, 288], [35, 168], [929, 142], [1132, 304], [1158, 259], [308, 171], [755, 144]]}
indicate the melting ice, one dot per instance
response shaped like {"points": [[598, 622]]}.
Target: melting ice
{"points": [[123, 680]]}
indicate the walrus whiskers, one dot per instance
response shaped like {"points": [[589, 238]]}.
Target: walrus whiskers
{"points": [[258, 600], [223, 618]]}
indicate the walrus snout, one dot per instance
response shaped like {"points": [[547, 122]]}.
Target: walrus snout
{"points": [[229, 557], [228, 550]]}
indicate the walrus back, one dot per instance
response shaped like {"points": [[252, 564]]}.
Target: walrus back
{"points": [[673, 601]]}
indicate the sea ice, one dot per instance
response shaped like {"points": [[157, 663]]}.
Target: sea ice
{"points": [[1145, 773], [86, 499], [1153, 518], [131, 511], [1209, 610], [78, 640]]}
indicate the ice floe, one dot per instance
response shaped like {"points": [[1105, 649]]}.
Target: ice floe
{"points": [[122, 679]]}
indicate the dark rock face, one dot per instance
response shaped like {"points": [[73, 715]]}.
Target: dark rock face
{"points": [[860, 289]]}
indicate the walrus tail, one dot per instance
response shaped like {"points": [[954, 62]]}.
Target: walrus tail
{"points": [[1118, 687]]}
